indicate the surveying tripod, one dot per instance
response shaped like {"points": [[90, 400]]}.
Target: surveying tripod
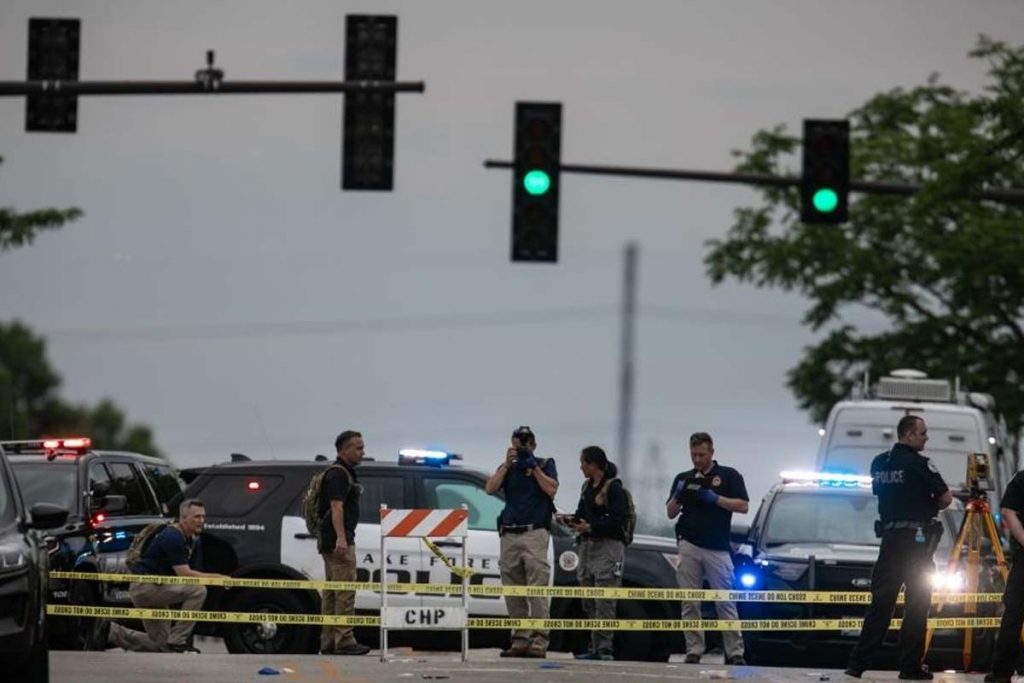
{"points": [[977, 523]]}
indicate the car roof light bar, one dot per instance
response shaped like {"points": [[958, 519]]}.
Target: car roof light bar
{"points": [[837, 479], [51, 448], [417, 456]]}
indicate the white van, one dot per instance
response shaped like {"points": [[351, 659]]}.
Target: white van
{"points": [[959, 423]]}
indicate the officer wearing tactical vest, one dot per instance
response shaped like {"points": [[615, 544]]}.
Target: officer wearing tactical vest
{"points": [[529, 484], [910, 493]]}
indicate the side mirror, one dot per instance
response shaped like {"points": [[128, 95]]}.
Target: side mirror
{"points": [[47, 516], [739, 533], [114, 503]]}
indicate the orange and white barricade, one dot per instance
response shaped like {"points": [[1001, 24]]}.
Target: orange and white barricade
{"points": [[423, 524]]}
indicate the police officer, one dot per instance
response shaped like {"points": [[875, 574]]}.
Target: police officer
{"points": [[1008, 641], [705, 498], [529, 484], [910, 493]]}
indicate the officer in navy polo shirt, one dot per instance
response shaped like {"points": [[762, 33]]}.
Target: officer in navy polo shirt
{"points": [[529, 484], [704, 498]]}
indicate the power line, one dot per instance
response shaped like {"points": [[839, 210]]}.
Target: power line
{"points": [[426, 323]]}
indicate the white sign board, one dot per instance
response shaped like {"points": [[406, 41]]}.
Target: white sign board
{"points": [[425, 617]]}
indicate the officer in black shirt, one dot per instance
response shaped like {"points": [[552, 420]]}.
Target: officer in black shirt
{"points": [[910, 493], [1008, 641], [340, 492], [705, 498]]}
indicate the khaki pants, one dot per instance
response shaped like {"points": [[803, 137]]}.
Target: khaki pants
{"points": [[695, 565], [524, 562], [601, 565], [159, 633], [338, 567]]}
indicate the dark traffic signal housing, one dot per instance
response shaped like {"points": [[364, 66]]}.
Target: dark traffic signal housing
{"points": [[53, 48], [368, 145], [825, 181], [538, 148]]}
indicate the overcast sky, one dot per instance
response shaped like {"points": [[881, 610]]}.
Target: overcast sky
{"points": [[223, 289]]}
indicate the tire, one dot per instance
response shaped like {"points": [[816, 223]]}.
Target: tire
{"points": [[74, 631], [270, 638], [572, 641], [643, 646]]}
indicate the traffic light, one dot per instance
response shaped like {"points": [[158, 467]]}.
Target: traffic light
{"points": [[825, 183], [535, 181], [368, 145], [52, 56]]}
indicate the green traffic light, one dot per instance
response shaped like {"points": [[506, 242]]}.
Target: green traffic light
{"points": [[825, 200], [536, 182]]}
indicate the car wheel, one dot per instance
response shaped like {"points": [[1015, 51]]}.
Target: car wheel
{"points": [[268, 637], [576, 642], [75, 631], [643, 646]]}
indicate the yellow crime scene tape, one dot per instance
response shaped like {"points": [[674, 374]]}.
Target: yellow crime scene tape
{"points": [[508, 623], [461, 572], [671, 594]]}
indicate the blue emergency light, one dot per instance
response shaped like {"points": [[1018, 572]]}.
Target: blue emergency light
{"points": [[416, 456]]}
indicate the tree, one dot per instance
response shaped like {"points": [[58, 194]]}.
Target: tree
{"points": [[17, 230], [30, 407], [944, 271]]}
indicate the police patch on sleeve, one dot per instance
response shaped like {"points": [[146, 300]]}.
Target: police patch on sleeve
{"points": [[931, 466]]}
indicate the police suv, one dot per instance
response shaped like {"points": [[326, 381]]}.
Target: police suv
{"points": [[24, 562], [255, 529], [110, 496], [815, 531]]}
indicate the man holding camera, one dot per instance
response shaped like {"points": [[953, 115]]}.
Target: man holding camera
{"points": [[704, 498], [529, 484]]}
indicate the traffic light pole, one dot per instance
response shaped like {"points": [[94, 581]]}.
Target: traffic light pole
{"points": [[1008, 196], [202, 87]]}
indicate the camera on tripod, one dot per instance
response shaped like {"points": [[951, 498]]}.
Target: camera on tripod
{"points": [[979, 474]]}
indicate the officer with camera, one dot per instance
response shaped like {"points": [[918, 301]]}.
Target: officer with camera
{"points": [[910, 494], [704, 498], [529, 484]]}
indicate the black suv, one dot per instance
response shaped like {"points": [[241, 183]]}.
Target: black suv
{"points": [[110, 495], [255, 529], [815, 531], [24, 562]]}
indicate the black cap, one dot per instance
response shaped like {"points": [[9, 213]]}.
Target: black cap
{"points": [[523, 433]]}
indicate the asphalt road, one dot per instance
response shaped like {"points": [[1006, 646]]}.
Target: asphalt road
{"points": [[407, 666]]}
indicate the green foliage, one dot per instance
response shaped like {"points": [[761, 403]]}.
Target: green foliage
{"points": [[17, 230], [30, 407], [944, 270]]}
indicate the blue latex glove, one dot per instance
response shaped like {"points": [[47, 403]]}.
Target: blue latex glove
{"points": [[707, 496], [677, 492]]}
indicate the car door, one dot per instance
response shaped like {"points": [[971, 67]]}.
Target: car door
{"points": [[404, 556]]}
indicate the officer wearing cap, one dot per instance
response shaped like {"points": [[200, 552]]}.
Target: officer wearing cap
{"points": [[529, 484], [910, 493]]}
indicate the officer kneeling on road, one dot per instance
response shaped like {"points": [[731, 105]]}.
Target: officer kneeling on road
{"points": [[173, 551], [910, 493]]}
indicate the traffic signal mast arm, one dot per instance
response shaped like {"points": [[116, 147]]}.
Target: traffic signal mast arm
{"points": [[1005, 196], [204, 87]]}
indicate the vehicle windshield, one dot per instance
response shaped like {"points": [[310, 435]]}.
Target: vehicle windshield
{"points": [[47, 482], [805, 517]]}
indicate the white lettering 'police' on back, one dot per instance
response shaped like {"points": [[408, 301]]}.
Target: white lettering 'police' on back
{"points": [[889, 477]]}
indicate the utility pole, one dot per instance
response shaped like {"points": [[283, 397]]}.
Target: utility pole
{"points": [[626, 380]]}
